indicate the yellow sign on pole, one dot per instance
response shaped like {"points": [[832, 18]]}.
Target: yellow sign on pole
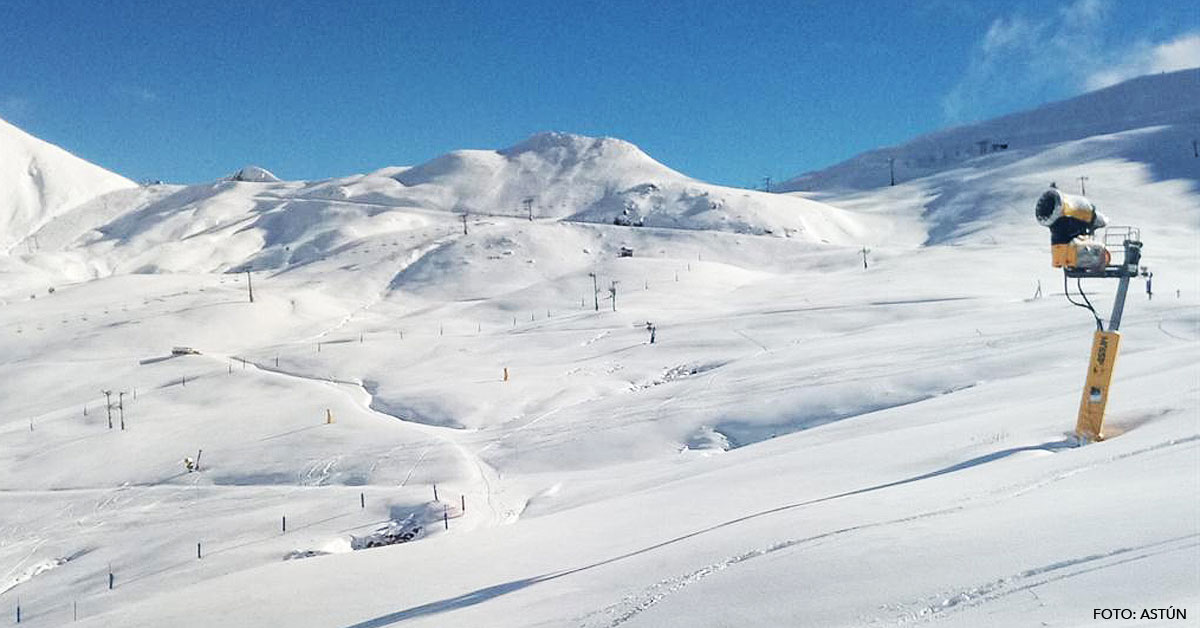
{"points": [[1090, 425]]}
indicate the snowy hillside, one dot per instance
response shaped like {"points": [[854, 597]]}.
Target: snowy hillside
{"points": [[1122, 140], [39, 181], [1169, 103], [753, 419]]}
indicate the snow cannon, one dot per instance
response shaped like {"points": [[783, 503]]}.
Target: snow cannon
{"points": [[1072, 220]]}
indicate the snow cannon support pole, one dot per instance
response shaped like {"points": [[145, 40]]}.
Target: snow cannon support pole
{"points": [[1089, 425]]}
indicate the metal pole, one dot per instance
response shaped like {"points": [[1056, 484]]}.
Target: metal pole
{"points": [[1114, 323], [121, 407], [595, 291], [250, 286]]}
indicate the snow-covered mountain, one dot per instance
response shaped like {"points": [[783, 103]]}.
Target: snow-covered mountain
{"points": [[253, 220], [820, 433], [1168, 103], [972, 183], [40, 181]]}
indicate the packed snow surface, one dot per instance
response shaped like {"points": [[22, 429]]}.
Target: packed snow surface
{"points": [[453, 362]]}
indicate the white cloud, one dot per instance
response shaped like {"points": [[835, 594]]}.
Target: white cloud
{"points": [[1085, 12], [1059, 54], [1178, 54]]}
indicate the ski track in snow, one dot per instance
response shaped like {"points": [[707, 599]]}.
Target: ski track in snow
{"points": [[635, 603], [936, 606]]}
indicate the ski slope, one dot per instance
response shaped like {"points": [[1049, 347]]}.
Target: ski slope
{"points": [[808, 441]]}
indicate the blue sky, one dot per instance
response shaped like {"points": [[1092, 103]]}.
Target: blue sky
{"points": [[723, 91]]}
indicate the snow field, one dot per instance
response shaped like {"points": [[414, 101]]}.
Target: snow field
{"points": [[807, 442]]}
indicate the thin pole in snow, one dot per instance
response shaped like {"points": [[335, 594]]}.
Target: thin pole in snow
{"points": [[435, 497], [108, 406], [595, 291], [362, 500]]}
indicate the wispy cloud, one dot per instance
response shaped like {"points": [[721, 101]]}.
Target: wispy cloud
{"points": [[1057, 53], [15, 108], [1146, 58]]}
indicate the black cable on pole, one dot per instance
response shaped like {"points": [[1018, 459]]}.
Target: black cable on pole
{"points": [[1088, 306], [1079, 285]]}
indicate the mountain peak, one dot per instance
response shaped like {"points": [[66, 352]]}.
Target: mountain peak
{"points": [[39, 181], [559, 145]]}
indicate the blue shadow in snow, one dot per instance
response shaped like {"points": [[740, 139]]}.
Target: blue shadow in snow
{"points": [[482, 595]]}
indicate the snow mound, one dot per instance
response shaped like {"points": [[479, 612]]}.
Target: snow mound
{"points": [[39, 181], [254, 174]]}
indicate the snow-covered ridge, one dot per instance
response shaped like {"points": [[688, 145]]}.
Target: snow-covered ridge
{"points": [[1171, 99], [253, 220], [254, 174], [40, 181]]}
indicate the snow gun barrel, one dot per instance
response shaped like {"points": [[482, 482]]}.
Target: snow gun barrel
{"points": [[1072, 219]]}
